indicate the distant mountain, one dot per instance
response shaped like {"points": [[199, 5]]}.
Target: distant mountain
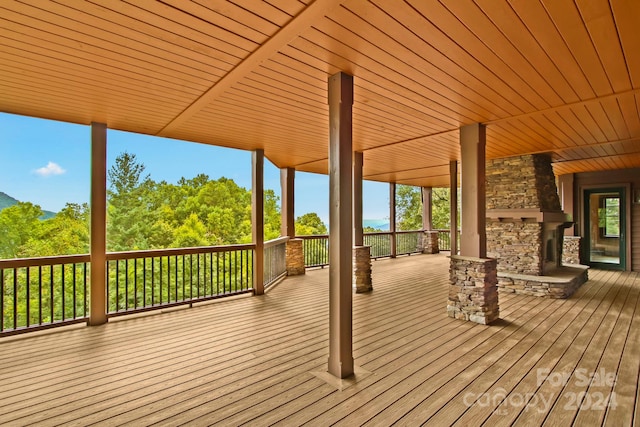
{"points": [[7, 201], [378, 224]]}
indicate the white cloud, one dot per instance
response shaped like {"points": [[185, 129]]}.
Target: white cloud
{"points": [[50, 169]]}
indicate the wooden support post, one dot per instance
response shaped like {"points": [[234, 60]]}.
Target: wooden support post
{"points": [[358, 235], [567, 199], [392, 218], [257, 219], [473, 235], [98, 310], [340, 223], [453, 206], [287, 185], [427, 208]]}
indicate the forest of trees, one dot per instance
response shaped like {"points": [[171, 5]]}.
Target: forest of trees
{"points": [[145, 214]]}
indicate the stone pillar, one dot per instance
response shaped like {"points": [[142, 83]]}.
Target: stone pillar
{"points": [[362, 269], [98, 308], [473, 293], [571, 249], [430, 243], [294, 255], [341, 225]]}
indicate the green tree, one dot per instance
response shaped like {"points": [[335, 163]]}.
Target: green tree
{"points": [[408, 207], [18, 224], [310, 224], [66, 233], [129, 216]]}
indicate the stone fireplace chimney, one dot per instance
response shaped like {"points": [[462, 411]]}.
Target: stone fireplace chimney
{"points": [[524, 218]]}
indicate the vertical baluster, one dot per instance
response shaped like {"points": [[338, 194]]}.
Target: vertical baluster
{"points": [[84, 292], [28, 296], [15, 297], [75, 298], [117, 285], [126, 284], [62, 279], [51, 299], [153, 287], [135, 283], [144, 282], [1, 300], [160, 284]]}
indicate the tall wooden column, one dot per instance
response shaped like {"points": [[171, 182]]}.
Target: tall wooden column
{"points": [[358, 237], [287, 179], [392, 218], [98, 310], [453, 206], [257, 219], [473, 235], [427, 208], [340, 224]]}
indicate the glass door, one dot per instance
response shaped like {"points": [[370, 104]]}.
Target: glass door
{"points": [[604, 222]]}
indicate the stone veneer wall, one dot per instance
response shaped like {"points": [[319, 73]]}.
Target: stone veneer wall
{"points": [[294, 255], [571, 249], [430, 243], [517, 245], [523, 182], [473, 291], [362, 269]]}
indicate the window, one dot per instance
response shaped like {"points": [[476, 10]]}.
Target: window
{"points": [[610, 216]]}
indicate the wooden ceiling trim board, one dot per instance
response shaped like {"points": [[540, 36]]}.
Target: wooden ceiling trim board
{"points": [[277, 87], [523, 140], [416, 139], [255, 15], [379, 127], [598, 19], [572, 120], [294, 57], [290, 31], [296, 70], [569, 23], [584, 115], [452, 62], [273, 14], [631, 114], [100, 89], [511, 26], [565, 134], [586, 102], [450, 25], [485, 30], [94, 36], [95, 77], [171, 16], [536, 19], [371, 79], [276, 73], [46, 52], [93, 54], [385, 48], [442, 169], [627, 15], [612, 110], [384, 116], [191, 32], [145, 34], [544, 129], [285, 104]]}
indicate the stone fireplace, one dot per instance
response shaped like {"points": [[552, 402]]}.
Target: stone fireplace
{"points": [[525, 226]]}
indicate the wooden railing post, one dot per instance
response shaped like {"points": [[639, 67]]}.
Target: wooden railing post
{"points": [[392, 218]]}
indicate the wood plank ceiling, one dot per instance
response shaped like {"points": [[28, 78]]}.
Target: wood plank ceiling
{"points": [[560, 76]]}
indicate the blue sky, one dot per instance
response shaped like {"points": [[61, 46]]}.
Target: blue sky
{"points": [[47, 163]]}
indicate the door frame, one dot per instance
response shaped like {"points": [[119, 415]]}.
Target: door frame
{"points": [[625, 226]]}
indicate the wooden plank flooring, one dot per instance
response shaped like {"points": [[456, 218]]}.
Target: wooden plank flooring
{"points": [[256, 360]]}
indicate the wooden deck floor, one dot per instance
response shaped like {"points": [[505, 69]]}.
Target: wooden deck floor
{"points": [[252, 360]]}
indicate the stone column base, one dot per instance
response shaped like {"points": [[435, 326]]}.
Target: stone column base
{"points": [[362, 269], [571, 249], [430, 243], [473, 290], [294, 255]]}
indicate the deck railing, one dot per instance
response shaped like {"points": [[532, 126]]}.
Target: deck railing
{"points": [[42, 292], [315, 249], [408, 242], [275, 262], [380, 243], [143, 280]]}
